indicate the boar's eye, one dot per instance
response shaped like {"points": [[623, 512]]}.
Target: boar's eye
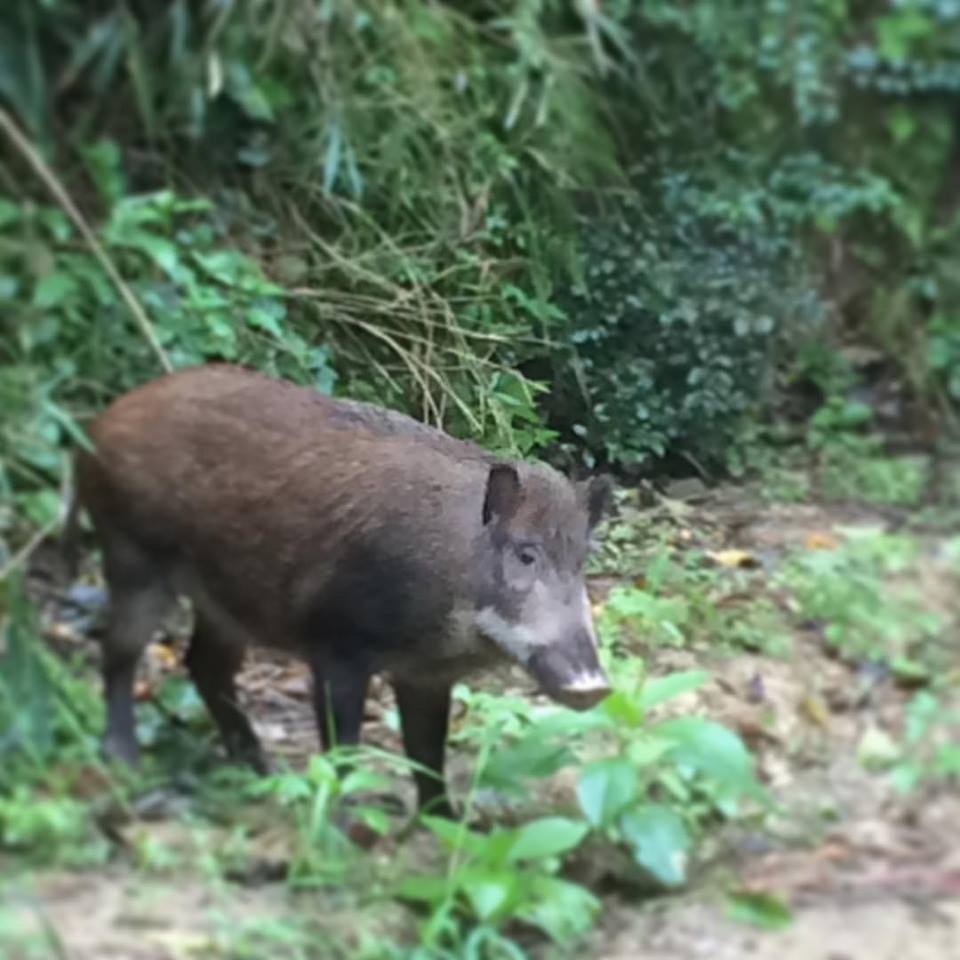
{"points": [[527, 554]]}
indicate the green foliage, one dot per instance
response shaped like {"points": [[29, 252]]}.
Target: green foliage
{"points": [[846, 592], [683, 600], [931, 746], [757, 909], [74, 343], [320, 798], [653, 785], [49, 829], [506, 874], [673, 327], [45, 711]]}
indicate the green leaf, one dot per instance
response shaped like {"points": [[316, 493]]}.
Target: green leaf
{"points": [[104, 163], [901, 124], [546, 837], [422, 888], [490, 893], [710, 749], [534, 756], [363, 779], [53, 289], [162, 252], [659, 839], [763, 910], [267, 319], [375, 818], [605, 788], [9, 213], [456, 836], [661, 689], [241, 88], [897, 32], [622, 709], [563, 910]]}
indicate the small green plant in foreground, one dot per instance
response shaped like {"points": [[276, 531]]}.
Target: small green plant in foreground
{"points": [[647, 787]]}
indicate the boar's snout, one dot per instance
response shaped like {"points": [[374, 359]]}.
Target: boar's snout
{"points": [[570, 673]]}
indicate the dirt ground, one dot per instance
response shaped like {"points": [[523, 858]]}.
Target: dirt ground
{"points": [[869, 874]]}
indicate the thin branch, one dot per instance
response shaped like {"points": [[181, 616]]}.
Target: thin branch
{"points": [[59, 192], [23, 554]]}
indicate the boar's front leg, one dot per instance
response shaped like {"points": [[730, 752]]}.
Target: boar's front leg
{"points": [[424, 717], [339, 692], [213, 662]]}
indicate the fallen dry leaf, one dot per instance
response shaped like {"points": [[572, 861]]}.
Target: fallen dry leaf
{"points": [[733, 558], [165, 655], [820, 541], [815, 709]]}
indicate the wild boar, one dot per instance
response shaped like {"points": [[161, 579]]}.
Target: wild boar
{"points": [[348, 534]]}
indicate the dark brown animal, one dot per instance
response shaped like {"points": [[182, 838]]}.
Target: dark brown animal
{"points": [[352, 536]]}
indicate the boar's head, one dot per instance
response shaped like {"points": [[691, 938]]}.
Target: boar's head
{"points": [[532, 599]]}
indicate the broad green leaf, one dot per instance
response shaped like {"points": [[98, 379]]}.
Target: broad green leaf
{"points": [[659, 839], [162, 252], [375, 818], [456, 836], [711, 749], [563, 910], [53, 289], [242, 89], [363, 779], [762, 910], [531, 757], [661, 689], [490, 892], [622, 709], [546, 837], [424, 888], [605, 788], [265, 319], [104, 163]]}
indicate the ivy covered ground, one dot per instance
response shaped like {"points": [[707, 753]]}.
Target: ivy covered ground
{"points": [[820, 636]]}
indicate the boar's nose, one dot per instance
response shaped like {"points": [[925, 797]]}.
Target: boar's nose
{"points": [[570, 673], [583, 693]]}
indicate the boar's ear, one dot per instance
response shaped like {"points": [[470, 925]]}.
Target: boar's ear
{"points": [[598, 492], [503, 493]]}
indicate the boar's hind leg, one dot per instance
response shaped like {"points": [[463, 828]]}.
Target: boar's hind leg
{"points": [[424, 716], [213, 662], [140, 600], [339, 692]]}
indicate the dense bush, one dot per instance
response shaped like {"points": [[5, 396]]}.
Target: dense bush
{"points": [[673, 327]]}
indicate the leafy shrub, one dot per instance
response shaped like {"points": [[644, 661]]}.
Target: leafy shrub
{"points": [[673, 326], [74, 340]]}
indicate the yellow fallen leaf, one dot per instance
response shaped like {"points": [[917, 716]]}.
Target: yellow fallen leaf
{"points": [[815, 709], [821, 541], [733, 558], [165, 655]]}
